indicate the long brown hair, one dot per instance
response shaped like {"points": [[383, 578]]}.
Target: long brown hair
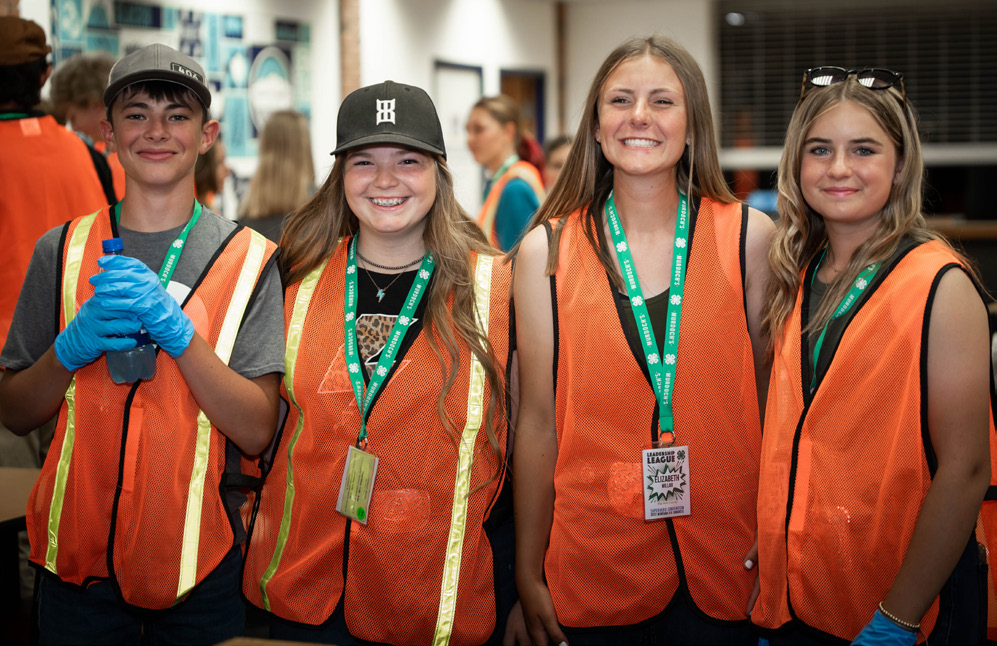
{"points": [[286, 175], [587, 177], [800, 233], [314, 231]]}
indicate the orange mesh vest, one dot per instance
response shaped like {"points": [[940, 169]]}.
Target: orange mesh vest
{"points": [[48, 179], [117, 172], [850, 468], [524, 171], [605, 565], [166, 528], [421, 569]]}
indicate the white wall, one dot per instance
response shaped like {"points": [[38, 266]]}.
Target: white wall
{"points": [[595, 29], [401, 40]]}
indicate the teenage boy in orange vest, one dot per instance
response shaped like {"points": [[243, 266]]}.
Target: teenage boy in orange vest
{"points": [[131, 512]]}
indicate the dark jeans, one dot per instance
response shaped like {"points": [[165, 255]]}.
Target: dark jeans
{"points": [[212, 612], [680, 623]]}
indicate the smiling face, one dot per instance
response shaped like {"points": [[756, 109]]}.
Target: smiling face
{"points": [[847, 167], [490, 142], [642, 118], [157, 140], [390, 189]]}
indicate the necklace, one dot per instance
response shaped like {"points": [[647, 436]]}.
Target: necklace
{"points": [[385, 267], [381, 290]]}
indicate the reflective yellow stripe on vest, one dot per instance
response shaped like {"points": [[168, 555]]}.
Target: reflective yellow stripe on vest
{"points": [[70, 280], [475, 410], [294, 330], [251, 266]]}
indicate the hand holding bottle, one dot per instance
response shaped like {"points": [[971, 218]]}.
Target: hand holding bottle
{"points": [[127, 284], [97, 328]]}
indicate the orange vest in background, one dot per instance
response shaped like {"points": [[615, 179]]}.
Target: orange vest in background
{"points": [[849, 468], [48, 179], [606, 565], [117, 171], [421, 569], [132, 478], [524, 171]]}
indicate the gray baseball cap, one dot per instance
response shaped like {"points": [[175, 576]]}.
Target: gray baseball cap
{"points": [[157, 62], [389, 113]]}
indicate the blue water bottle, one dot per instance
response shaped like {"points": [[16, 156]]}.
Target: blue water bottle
{"points": [[127, 366]]}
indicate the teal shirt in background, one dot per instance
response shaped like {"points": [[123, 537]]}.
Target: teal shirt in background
{"points": [[515, 209]]}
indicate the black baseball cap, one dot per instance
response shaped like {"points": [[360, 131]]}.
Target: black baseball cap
{"points": [[157, 62], [389, 113]]}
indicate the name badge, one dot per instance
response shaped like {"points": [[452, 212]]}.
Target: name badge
{"points": [[357, 486], [666, 482]]}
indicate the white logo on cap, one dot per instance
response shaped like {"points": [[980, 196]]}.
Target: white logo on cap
{"points": [[385, 111], [177, 67]]}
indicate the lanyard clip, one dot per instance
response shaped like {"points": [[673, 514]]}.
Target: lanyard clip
{"points": [[661, 444]]}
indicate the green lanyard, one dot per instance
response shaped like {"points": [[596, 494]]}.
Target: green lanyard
{"points": [[10, 116], [506, 165], [662, 372], [861, 282], [398, 331], [173, 255]]}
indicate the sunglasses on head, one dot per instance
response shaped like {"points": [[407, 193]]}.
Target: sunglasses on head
{"points": [[874, 78]]}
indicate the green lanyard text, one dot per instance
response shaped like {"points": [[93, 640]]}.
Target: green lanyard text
{"points": [[398, 331], [662, 371]]}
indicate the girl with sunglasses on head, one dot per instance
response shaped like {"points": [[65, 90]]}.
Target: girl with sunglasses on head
{"points": [[875, 453], [384, 520], [635, 504]]}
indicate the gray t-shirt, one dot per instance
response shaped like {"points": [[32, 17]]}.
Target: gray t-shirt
{"points": [[259, 346]]}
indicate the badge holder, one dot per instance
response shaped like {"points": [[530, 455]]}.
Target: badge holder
{"points": [[666, 480], [357, 486]]}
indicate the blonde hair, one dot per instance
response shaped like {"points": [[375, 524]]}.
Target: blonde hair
{"points": [[285, 176], [800, 233], [313, 232], [587, 177]]}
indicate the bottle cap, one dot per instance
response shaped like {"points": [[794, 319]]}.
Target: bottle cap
{"points": [[112, 245]]}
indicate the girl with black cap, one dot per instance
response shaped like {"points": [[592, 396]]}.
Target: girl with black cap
{"points": [[398, 354]]}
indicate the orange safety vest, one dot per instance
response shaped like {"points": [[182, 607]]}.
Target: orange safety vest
{"points": [[117, 171], [849, 468], [607, 566], [130, 487], [48, 179], [524, 171], [421, 570]]}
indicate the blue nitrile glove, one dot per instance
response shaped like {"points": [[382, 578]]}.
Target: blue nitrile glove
{"points": [[128, 284], [94, 331], [880, 631]]}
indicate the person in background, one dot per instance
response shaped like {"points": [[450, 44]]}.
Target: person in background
{"points": [[878, 428], [556, 151], [638, 297], [398, 352], [131, 512], [210, 174], [76, 88], [285, 176], [47, 177], [514, 189]]}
